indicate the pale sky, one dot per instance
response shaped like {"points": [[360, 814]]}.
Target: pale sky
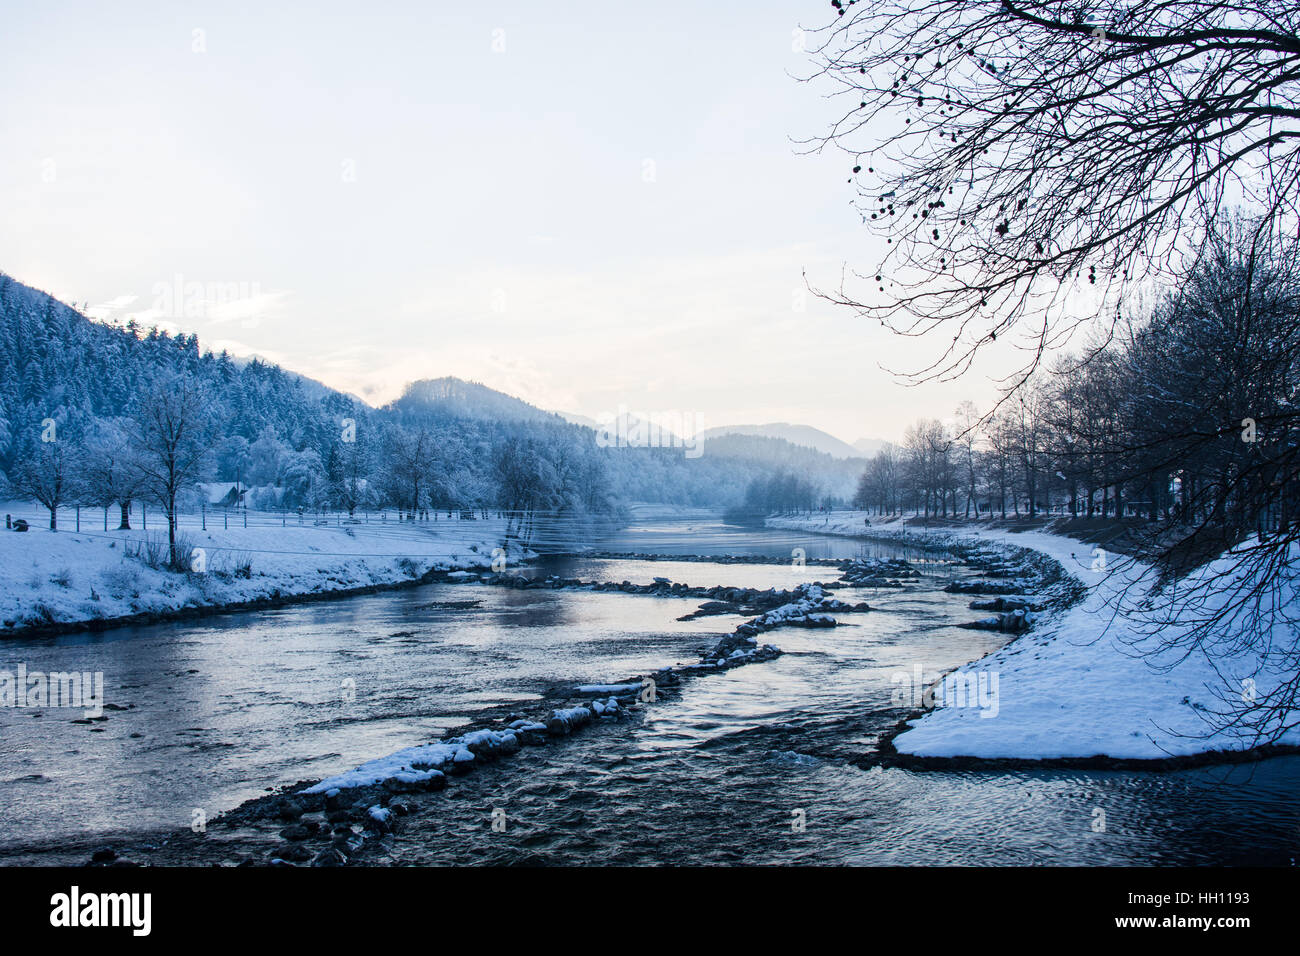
{"points": [[588, 205]]}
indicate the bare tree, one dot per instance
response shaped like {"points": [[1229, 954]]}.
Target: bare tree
{"points": [[1028, 418], [1001, 456], [173, 431], [968, 422], [410, 458], [1029, 162], [878, 483]]}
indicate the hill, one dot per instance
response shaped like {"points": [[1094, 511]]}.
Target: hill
{"points": [[804, 435], [456, 398], [445, 443]]}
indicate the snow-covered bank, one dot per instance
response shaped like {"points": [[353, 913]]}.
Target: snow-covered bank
{"points": [[65, 577], [1089, 681]]}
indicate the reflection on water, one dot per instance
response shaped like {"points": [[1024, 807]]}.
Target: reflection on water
{"points": [[222, 709], [719, 776], [779, 576], [688, 797], [651, 531]]}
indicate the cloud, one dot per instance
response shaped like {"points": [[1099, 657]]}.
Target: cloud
{"points": [[110, 308], [248, 310]]}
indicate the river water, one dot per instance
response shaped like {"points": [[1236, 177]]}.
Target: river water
{"points": [[749, 766]]}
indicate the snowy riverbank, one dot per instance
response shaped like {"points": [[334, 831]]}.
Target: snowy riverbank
{"points": [[1091, 680], [66, 578]]}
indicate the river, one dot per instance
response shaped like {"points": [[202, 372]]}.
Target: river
{"points": [[748, 766]]}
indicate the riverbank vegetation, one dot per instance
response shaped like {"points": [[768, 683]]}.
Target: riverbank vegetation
{"points": [[1106, 197]]}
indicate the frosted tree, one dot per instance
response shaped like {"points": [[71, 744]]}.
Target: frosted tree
{"points": [[50, 475], [266, 458], [173, 422], [112, 473], [408, 460]]}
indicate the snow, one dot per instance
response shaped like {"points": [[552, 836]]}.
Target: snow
{"points": [[409, 765], [524, 724], [415, 765], [67, 576], [424, 762], [809, 608], [1089, 681], [572, 716]]}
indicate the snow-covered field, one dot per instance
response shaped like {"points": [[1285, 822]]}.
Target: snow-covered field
{"points": [[67, 576], [1089, 681]]}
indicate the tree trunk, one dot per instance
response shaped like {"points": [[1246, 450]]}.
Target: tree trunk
{"points": [[171, 527]]}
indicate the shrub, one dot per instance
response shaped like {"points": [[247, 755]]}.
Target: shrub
{"points": [[150, 550], [241, 564], [41, 613], [121, 581], [153, 551]]}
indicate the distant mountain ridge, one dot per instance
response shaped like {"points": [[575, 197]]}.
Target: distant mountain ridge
{"points": [[457, 398], [805, 435], [867, 447]]}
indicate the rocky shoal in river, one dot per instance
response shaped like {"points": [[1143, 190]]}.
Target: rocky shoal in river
{"points": [[314, 823]]}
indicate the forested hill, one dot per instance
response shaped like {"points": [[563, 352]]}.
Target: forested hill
{"points": [[453, 398], [444, 443], [55, 363]]}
